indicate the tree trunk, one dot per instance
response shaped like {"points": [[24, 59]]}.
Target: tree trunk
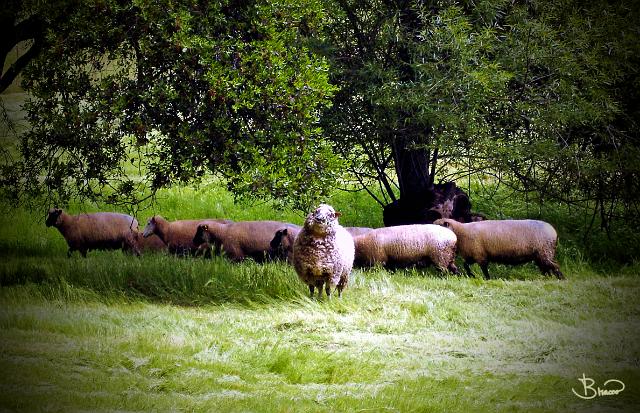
{"points": [[422, 202], [412, 168]]}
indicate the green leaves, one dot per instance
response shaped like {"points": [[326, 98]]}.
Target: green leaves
{"points": [[226, 88]]}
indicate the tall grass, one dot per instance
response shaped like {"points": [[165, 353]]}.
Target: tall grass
{"points": [[33, 253]]}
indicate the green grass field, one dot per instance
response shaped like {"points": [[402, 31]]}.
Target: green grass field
{"points": [[114, 332]]}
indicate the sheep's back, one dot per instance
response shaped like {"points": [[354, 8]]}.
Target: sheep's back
{"points": [[180, 233], [254, 235], [355, 231], [513, 241], [101, 229], [408, 243]]}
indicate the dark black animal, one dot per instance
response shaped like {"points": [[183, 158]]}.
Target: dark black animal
{"points": [[441, 201]]}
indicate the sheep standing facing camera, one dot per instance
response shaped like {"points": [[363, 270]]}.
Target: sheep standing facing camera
{"points": [[323, 252], [505, 241], [95, 231]]}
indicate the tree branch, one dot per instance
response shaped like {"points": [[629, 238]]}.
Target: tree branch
{"points": [[14, 70]]}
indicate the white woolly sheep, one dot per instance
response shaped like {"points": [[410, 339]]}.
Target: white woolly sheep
{"points": [[99, 230], [506, 241], [239, 240], [406, 245], [178, 235], [323, 252]]}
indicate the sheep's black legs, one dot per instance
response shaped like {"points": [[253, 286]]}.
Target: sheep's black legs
{"points": [[327, 290], [452, 267], [467, 269], [547, 266], [485, 270], [311, 290]]}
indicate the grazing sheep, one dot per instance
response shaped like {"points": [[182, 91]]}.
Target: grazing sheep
{"points": [[506, 241], [177, 235], [99, 230], [323, 252], [239, 240], [406, 245], [152, 243], [281, 245]]}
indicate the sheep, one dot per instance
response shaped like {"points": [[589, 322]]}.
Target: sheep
{"points": [[406, 245], [99, 230], [506, 241], [152, 243], [283, 239], [177, 235], [323, 252], [281, 245], [239, 240], [355, 231]]}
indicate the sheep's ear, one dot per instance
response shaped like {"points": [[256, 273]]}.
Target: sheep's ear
{"points": [[337, 214], [284, 231]]}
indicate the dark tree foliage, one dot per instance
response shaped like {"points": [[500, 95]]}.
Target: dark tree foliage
{"points": [[129, 97], [568, 129], [540, 95]]}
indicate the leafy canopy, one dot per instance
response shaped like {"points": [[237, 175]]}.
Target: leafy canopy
{"points": [[130, 97], [540, 95]]}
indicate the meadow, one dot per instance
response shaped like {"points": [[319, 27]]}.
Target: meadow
{"points": [[114, 332]]}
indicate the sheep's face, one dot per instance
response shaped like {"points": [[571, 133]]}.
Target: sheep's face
{"points": [[280, 244], [150, 228], [445, 222], [322, 218], [53, 217], [202, 234]]}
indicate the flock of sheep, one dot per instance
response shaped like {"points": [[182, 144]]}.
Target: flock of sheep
{"points": [[322, 252]]}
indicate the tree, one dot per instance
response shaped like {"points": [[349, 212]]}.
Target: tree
{"points": [[573, 106], [130, 97], [416, 80], [523, 91], [411, 94]]}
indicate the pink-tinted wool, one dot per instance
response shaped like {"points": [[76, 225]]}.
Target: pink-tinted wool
{"points": [[323, 251]]}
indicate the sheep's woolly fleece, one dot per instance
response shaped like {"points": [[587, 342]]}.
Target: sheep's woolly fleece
{"points": [[324, 250], [406, 245]]}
